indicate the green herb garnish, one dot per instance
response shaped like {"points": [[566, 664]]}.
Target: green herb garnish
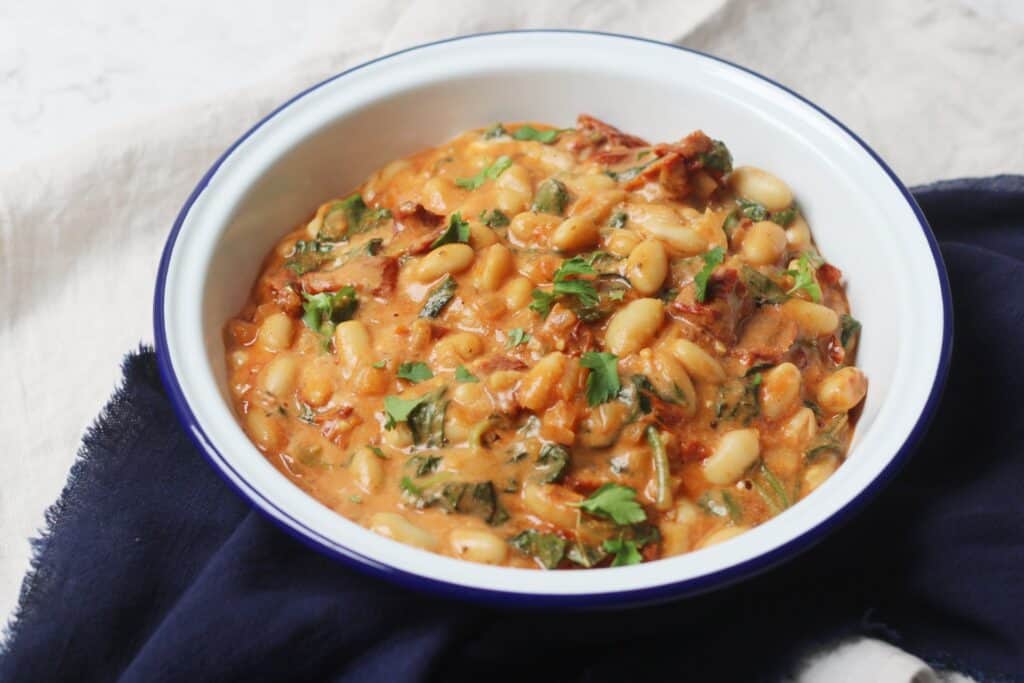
{"points": [[618, 219], [551, 463], [414, 372], [603, 379], [530, 133], [763, 289], [516, 336], [626, 551], [718, 158], [465, 376], [849, 327], [322, 312], [457, 231], [712, 260], [752, 210], [803, 278], [552, 197], [547, 549], [438, 298], [615, 502], [494, 218], [491, 172]]}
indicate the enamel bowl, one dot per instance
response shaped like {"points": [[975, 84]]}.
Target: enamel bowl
{"points": [[327, 139]]}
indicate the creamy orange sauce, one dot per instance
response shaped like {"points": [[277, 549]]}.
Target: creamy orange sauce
{"points": [[544, 347]]}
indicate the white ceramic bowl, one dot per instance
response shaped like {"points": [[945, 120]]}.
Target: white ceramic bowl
{"points": [[326, 140]]}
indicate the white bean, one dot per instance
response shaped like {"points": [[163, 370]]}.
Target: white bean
{"points": [[446, 259], [721, 536], [367, 470], [764, 243], [842, 390], [478, 546], [762, 187], [398, 528], [698, 362], [575, 234], [780, 389], [634, 326], [276, 332], [647, 266], [736, 451], [813, 319]]}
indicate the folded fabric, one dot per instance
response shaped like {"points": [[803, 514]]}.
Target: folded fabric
{"points": [[154, 570]]}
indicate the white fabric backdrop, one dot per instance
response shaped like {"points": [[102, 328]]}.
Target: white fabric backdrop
{"points": [[105, 130]]}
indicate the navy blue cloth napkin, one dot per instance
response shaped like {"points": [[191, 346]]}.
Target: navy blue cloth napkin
{"points": [[154, 570]]}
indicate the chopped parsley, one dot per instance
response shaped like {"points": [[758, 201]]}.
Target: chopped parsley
{"points": [[626, 551], [752, 210], [494, 218], [712, 260], [399, 409], [516, 336], [849, 327], [465, 376], [322, 312], [803, 278], [491, 172], [414, 372], [379, 365], [457, 231], [495, 131], [718, 158], [583, 290], [552, 197], [350, 216], [528, 132], [784, 217], [308, 255], [615, 502], [603, 380]]}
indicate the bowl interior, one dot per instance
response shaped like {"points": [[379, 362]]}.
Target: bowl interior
{"points": [[325, 142]]}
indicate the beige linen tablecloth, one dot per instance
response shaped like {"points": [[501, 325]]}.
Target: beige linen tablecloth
{"points": [[110, 112]]}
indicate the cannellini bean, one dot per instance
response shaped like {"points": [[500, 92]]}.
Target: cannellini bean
{"points": [[399, 436], [510, 202], [515, 178], [798, 235], [634, 326], [590, 183], [602, 424], [518, 292], [764, 243], [842, 390], [801, 428], [647, 266], [552, 503], [478, 546], [438, 195], [672, 373], [813, 319], [481, 237], [238, 358], [575, 234], [276, 332], [455, 348], [736, 451], [622, 242], [665, 224], [367, 470], [780, 389], [817, 472], [494, 266], [398, 528], [471, 395], [264, 429], [534, 392], [316, 384], [352, 344], [698, 362], [532, 228], [762, 187], [677, 528], [720, 536], [448, 258], [278, 376]]}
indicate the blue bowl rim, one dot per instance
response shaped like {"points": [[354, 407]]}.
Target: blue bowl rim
{"points": [[660, 593]]}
